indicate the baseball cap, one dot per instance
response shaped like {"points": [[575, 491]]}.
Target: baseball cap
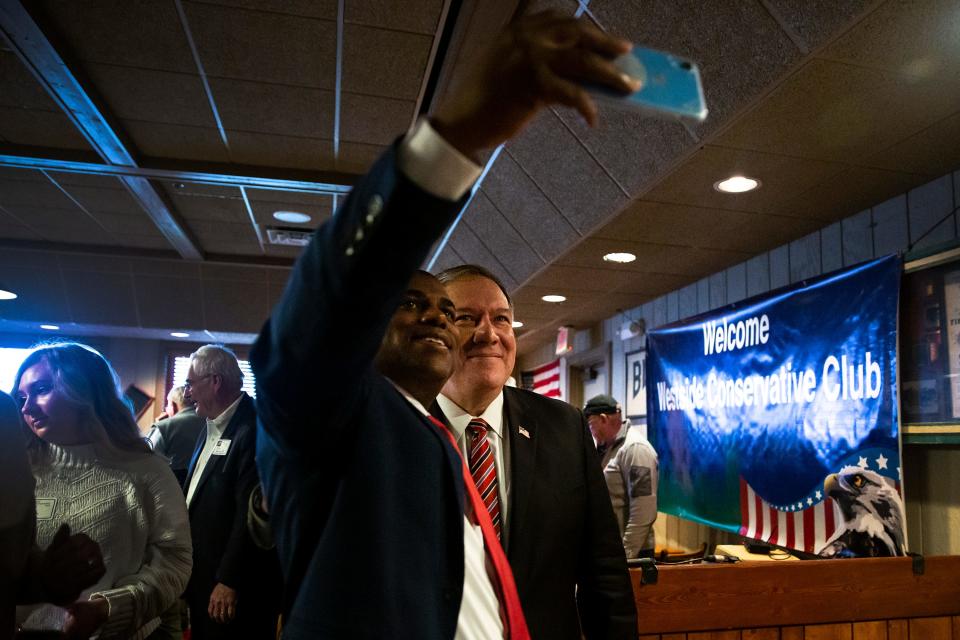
{"points": [[601, 404]]}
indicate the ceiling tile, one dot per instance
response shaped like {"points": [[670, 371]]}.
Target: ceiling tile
{"points": [[196, 208], [566, 173], [781, 177], [840, 112], [664, 223], [162, 301], [850, 191], [379, 62], [90, 180], [471, 248], [725, 41], [816, 21], [271, 108], [934, 151], [280, 251], [323, 9], [519, 199], [39, 129], [318, 207], [138, 34], [512, 250], [101, 298], [280, 151], [20, 89], [141, 241], [357, 158], [654, 258], [152, 96], [166, 268], [137, 225], [40, 293], [20, 175], [33, 194], [93, 263], [175, 141], [420, 16], [214, 271], [925, 34], [448, 258], [635, 149], [107, 200], [268, 47], [566, 278], [374, 120], [235, 305]]}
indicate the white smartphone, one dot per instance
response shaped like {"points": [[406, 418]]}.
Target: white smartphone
{"points": [[671, 85]]}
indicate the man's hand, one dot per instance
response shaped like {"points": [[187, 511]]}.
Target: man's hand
{"points": [[84, 618], [69, 565], [223, 604], [537, 61]]}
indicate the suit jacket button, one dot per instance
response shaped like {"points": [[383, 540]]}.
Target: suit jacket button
{"points": [[349, 250], [358, 236], [374, 207]]}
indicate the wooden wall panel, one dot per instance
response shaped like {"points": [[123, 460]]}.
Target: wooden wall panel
{"points": [[771, 633], [897, 630], [956, 622], [875, 630], [791, 633], [932, 628], [715, 635], [841, 631]]}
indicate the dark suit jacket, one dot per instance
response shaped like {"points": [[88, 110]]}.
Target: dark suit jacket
{"points": [[563, 537], [222, 549], [179, 435], [365, 495]]}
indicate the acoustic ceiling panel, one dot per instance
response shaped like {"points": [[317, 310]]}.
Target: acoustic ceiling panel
{"points": [[178, 142], [270, 108], [934, 151], [816, 22], [322, 9], [473, 251], [520, 200], [38, 128], [417, 16], [374, 120], [263, 46], [381, 62], [152, 96], [569, 176], [134, 34], [512, 250], [287, 152]]}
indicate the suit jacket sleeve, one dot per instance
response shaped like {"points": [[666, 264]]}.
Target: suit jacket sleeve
{"points": [[604, 592], [325, 331]]}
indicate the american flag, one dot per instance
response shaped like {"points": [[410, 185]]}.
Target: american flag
{"points": [[805, 528], [544, 380]]}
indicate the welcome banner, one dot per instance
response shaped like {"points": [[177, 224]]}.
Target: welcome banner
{"points": [[777, 420]]}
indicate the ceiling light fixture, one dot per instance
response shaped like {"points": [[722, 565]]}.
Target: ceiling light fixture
{"points": [[553, 298], [179, 334], [620, 257], [517, 324], [50, 327], [293, 217], [7, 294], [736, 184]]}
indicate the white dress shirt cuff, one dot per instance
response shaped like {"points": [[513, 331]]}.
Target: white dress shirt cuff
{"points": [[434, 165]]}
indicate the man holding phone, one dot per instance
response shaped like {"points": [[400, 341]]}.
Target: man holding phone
{"points": [[378, 539]]}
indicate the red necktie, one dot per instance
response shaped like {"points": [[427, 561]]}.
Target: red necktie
{"points": [[484, 470], [516, 624]]}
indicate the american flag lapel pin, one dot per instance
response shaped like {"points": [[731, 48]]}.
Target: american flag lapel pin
{"points": [[524, 432]]}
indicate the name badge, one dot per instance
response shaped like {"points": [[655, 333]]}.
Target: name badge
{"points": [[45, 508], [221, 448]]}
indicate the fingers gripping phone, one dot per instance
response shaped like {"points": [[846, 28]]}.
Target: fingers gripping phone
{"points": [[670, 86]]}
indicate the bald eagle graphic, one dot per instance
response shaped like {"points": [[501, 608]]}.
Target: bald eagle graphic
{"points": [[872, 511]]}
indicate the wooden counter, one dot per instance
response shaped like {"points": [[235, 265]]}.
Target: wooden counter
{"points": [[874, 598]]}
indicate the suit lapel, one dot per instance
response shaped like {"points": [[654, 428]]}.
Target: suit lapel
{"points": [[215, 462], [521, 430]]}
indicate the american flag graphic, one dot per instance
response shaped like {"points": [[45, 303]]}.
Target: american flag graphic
{"points": [[545, 380], [807, 528]]}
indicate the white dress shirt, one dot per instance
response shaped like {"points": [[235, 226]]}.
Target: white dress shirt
{"points": [[493, 416], [479, 617], [215, 429]]}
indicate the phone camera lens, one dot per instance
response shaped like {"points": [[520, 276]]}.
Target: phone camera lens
{"points": [[686, 66]]}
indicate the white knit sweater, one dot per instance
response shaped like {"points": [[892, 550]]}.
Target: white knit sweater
{"points": [[134, 508]]}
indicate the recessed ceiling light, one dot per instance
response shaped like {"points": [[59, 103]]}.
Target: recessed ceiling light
{"points": [[736, 184], [6, 294], [517, 324], [50, 327], [553, 298], [622, 258], [179, 334], [294, 217]]}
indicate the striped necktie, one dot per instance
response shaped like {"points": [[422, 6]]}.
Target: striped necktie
{"points": [[483, 468], [514, 622]]}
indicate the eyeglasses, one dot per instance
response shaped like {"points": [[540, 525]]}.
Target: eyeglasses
{"points": [[189, 383]]}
